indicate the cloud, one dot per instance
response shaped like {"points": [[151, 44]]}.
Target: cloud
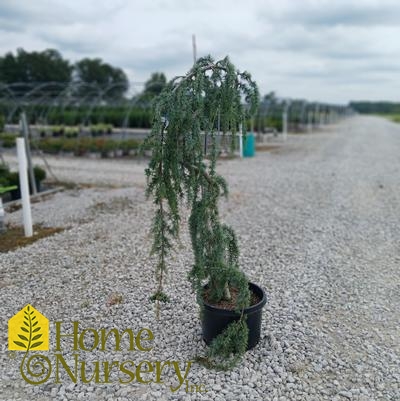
{"points": [[73, 38], [28, 13], [315, 49], [317, 13]]}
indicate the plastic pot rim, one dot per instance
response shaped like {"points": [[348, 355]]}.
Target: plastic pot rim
{"points": [[247, 311]]}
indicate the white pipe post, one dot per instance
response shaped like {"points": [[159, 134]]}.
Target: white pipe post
{"points": [[240, 142], [302, 114], [316, 116], [2, 223], [23, 183], [25, 133], [309, 122], [284, 125], [331, 116], [285, 115]]}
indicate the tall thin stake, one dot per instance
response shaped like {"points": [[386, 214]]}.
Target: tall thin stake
{"points": [[25, 133], [24, 187], [194, 49]]}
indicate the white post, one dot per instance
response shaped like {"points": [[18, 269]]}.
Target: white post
{"points": [[316, 115], [23, 182], [2, 229], [240, 141], [25, 132], [309, 122], [284, 125]]}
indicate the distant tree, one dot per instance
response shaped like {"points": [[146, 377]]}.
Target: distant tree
{"points": [[10, 69], [35, 68], [152, 88], [270, 97], [270, 104], [371, 107], [155, 84], [112, 81]]}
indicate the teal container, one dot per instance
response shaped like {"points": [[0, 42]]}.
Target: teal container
{"points": [[249, 145]]}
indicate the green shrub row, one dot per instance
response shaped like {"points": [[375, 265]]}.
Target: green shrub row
{"points": [[121, 116], [7, 140], [85, 145], [395, 118], [260, 124], [135, 118], [263, 123], [73, 132], [11, 178]]}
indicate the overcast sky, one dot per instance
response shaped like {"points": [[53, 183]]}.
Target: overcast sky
{"points": [[333, 50]]}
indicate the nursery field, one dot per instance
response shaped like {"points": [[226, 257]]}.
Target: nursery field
{"points": [[317, 220], [394, 117]]}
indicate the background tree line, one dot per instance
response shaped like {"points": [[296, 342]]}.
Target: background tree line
{"points": [[52, 90], [369, 107], [90, 77]]}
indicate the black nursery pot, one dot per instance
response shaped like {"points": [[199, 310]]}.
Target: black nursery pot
{"points": [[16, 193], [215, 320]]}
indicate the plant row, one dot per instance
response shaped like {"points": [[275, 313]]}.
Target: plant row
{"points": [[7, 139], [11, 178], [73, 132], [85, 145], [127, 116]]}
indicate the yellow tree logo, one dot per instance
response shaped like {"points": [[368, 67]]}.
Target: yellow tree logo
{"points": [[28, 330]]}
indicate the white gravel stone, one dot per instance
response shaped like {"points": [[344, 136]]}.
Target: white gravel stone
{"points": [[317, 223]]}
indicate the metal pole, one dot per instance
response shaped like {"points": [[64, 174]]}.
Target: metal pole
{"points": [[303, 115], [285, 120], [316, 115], [284, 125], [309, 122], [24, 186], [240, 142], [2, 226], [25, 132]]}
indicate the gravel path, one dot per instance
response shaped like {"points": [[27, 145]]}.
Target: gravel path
{"points": [[318, 224]]}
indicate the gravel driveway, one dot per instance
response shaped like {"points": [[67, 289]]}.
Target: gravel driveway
{"points": [[318, 225]]}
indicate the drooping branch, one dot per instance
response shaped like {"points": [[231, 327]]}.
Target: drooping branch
{"points": [[191, 104], [190, 75]]}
